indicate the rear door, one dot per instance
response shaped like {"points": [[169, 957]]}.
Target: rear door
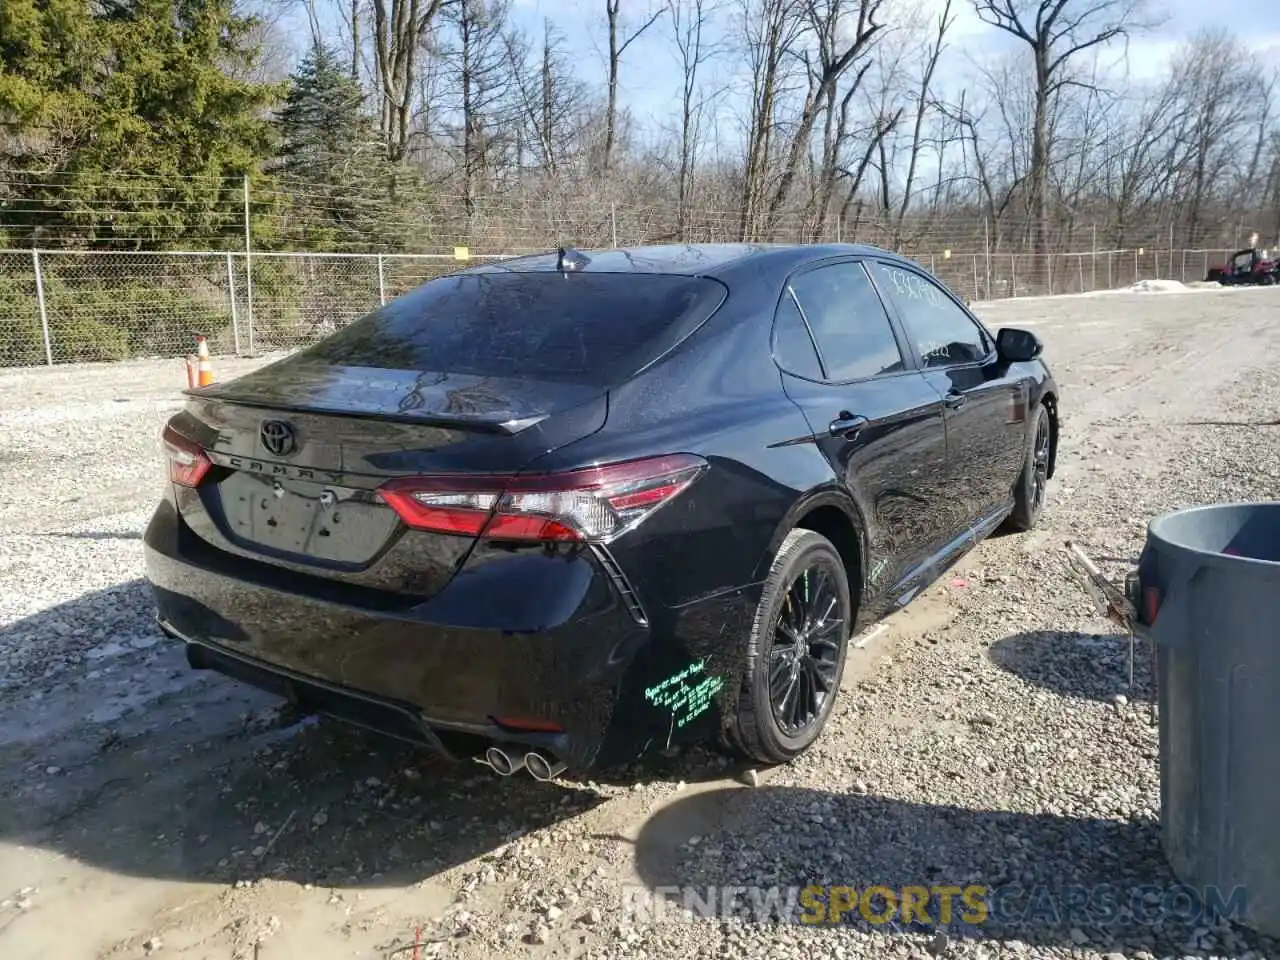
{"points": [[986, 408], [874, 417]]}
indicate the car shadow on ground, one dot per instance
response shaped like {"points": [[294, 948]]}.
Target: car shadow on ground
{"points": [[125, 759], [1091, 666], [1044, 879]]}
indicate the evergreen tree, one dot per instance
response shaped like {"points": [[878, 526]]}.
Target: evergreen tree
{"points": [[127, 108], [333, 158]]}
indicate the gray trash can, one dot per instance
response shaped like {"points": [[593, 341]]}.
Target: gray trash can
{"points": [[1208, 596]]}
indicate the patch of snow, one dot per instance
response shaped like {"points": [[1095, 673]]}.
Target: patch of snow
{"points": [[1159, 286], [1142, 286]]}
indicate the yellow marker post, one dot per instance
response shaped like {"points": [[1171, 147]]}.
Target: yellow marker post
{"points": [[946, 254], [1142, 251], [461, 253]]}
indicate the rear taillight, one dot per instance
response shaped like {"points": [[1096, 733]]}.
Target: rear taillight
{"points": [[187, 462], [596, 503]]}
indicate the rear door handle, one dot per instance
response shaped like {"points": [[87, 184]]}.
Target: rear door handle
{"points": [[847, 425], [954, 400]]}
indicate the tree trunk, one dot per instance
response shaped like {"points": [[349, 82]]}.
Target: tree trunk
{"points": [[355, 40], [548, 99], [611, 111], [470, 125], [1038, 177]]}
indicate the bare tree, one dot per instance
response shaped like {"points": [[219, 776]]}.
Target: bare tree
{"points": [[1056, 31], [399, 27], [770, 31], [838, 51], [689, 20], [616, 49], [548, 99], [922, 107], [1137, 157], [1214, 79], [480, 67]]}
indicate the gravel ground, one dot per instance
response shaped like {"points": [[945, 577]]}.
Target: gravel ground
{"points": [[987, 736]]}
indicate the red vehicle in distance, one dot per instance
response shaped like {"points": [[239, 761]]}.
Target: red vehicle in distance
{"points": [[1246, 266]]}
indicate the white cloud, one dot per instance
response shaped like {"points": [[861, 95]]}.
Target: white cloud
{"points": [[1149, 56]]}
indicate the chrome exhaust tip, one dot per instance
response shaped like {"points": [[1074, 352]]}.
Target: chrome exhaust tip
{"points": [[503, 763], [540, 768]]}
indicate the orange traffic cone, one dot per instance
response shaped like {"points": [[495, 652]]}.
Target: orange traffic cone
{"points": [[204, 364]]}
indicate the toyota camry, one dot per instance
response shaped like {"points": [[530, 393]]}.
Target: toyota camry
{"points": [[561, 511]]}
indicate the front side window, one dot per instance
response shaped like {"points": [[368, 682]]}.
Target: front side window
{"points": [[943, 334]]}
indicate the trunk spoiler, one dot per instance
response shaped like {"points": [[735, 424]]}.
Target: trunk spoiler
{"points": [[425, 418]]}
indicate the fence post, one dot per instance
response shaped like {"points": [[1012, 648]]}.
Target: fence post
{"points": [[975, 276], [382, 284], [1048, 269], [1080, 264], [1094, 263], [1013, 274], [1108, 270], [248, 265], [613, 223], [44, 314], [986, 254], [231, 286]]}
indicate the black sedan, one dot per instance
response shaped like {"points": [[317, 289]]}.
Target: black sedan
{"points": [[564, 510]]}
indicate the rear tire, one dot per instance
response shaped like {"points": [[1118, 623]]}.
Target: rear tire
{"points": [[1030, 493], [795, 653]]}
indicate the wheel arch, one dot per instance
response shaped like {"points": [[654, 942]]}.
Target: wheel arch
{"points": [[833, 514], [1050, 401]]}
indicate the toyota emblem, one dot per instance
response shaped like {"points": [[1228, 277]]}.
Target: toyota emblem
{"points": [[278, 438]]}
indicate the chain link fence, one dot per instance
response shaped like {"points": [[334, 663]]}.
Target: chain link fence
{"points": [[66, 306]]}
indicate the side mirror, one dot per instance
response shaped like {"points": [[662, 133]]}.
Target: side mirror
{"points": [[1018, 346]]}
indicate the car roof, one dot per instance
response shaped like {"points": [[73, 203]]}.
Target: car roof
{"points": [[719, 260]]}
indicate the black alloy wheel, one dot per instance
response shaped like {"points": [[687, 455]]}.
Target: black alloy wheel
{"points": [[805, 657], [794, 653], [1040, 465]]}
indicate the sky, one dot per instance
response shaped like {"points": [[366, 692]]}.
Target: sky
{"points": [[650, 74]]}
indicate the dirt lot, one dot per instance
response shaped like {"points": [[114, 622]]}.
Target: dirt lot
{"points": [[987, 736]]}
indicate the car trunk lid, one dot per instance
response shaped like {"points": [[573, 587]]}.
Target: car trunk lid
{"points": [[300, 451]]}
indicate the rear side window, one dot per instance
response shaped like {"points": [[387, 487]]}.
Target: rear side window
{"points": [[585, 328], [792, 345], [848, 321]]}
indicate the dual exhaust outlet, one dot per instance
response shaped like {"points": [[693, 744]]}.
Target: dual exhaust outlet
{"points": [[540, 768]]}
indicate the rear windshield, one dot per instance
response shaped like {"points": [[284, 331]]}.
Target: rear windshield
{"points": [[581, 328]]}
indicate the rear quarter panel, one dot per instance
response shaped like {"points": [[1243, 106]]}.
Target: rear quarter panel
{"points": [[719, 395]]}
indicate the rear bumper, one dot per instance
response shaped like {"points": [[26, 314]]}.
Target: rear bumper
{"points": [[448, 673]]}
